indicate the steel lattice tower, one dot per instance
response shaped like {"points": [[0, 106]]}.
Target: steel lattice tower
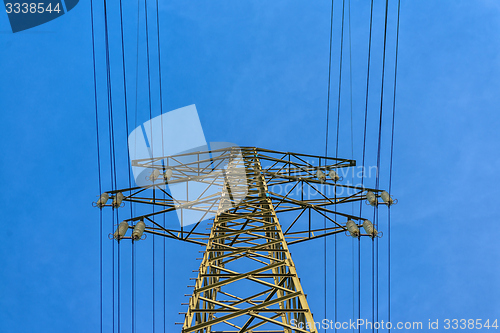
{"points": [[247, 280]]}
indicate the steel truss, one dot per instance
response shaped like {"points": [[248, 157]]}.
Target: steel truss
{"points": [[247, 281]]}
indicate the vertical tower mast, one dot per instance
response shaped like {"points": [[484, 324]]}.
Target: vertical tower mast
{"points": [[247, 280]]}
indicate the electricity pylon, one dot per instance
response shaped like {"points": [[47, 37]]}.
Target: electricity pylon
{"points": [[247, 280]]}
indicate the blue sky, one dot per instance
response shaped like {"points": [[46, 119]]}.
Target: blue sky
{"points": [[257, 72]]}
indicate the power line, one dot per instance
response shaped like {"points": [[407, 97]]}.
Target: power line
{"points": [[111, 145], [337, 150], [352, 149], [163, 149], [377, 180], [135, 126], [364, 150], [390, 168], [326, 142], [366, 100], [151, 143], [126, 137], [98, 157], [329, 82]]}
